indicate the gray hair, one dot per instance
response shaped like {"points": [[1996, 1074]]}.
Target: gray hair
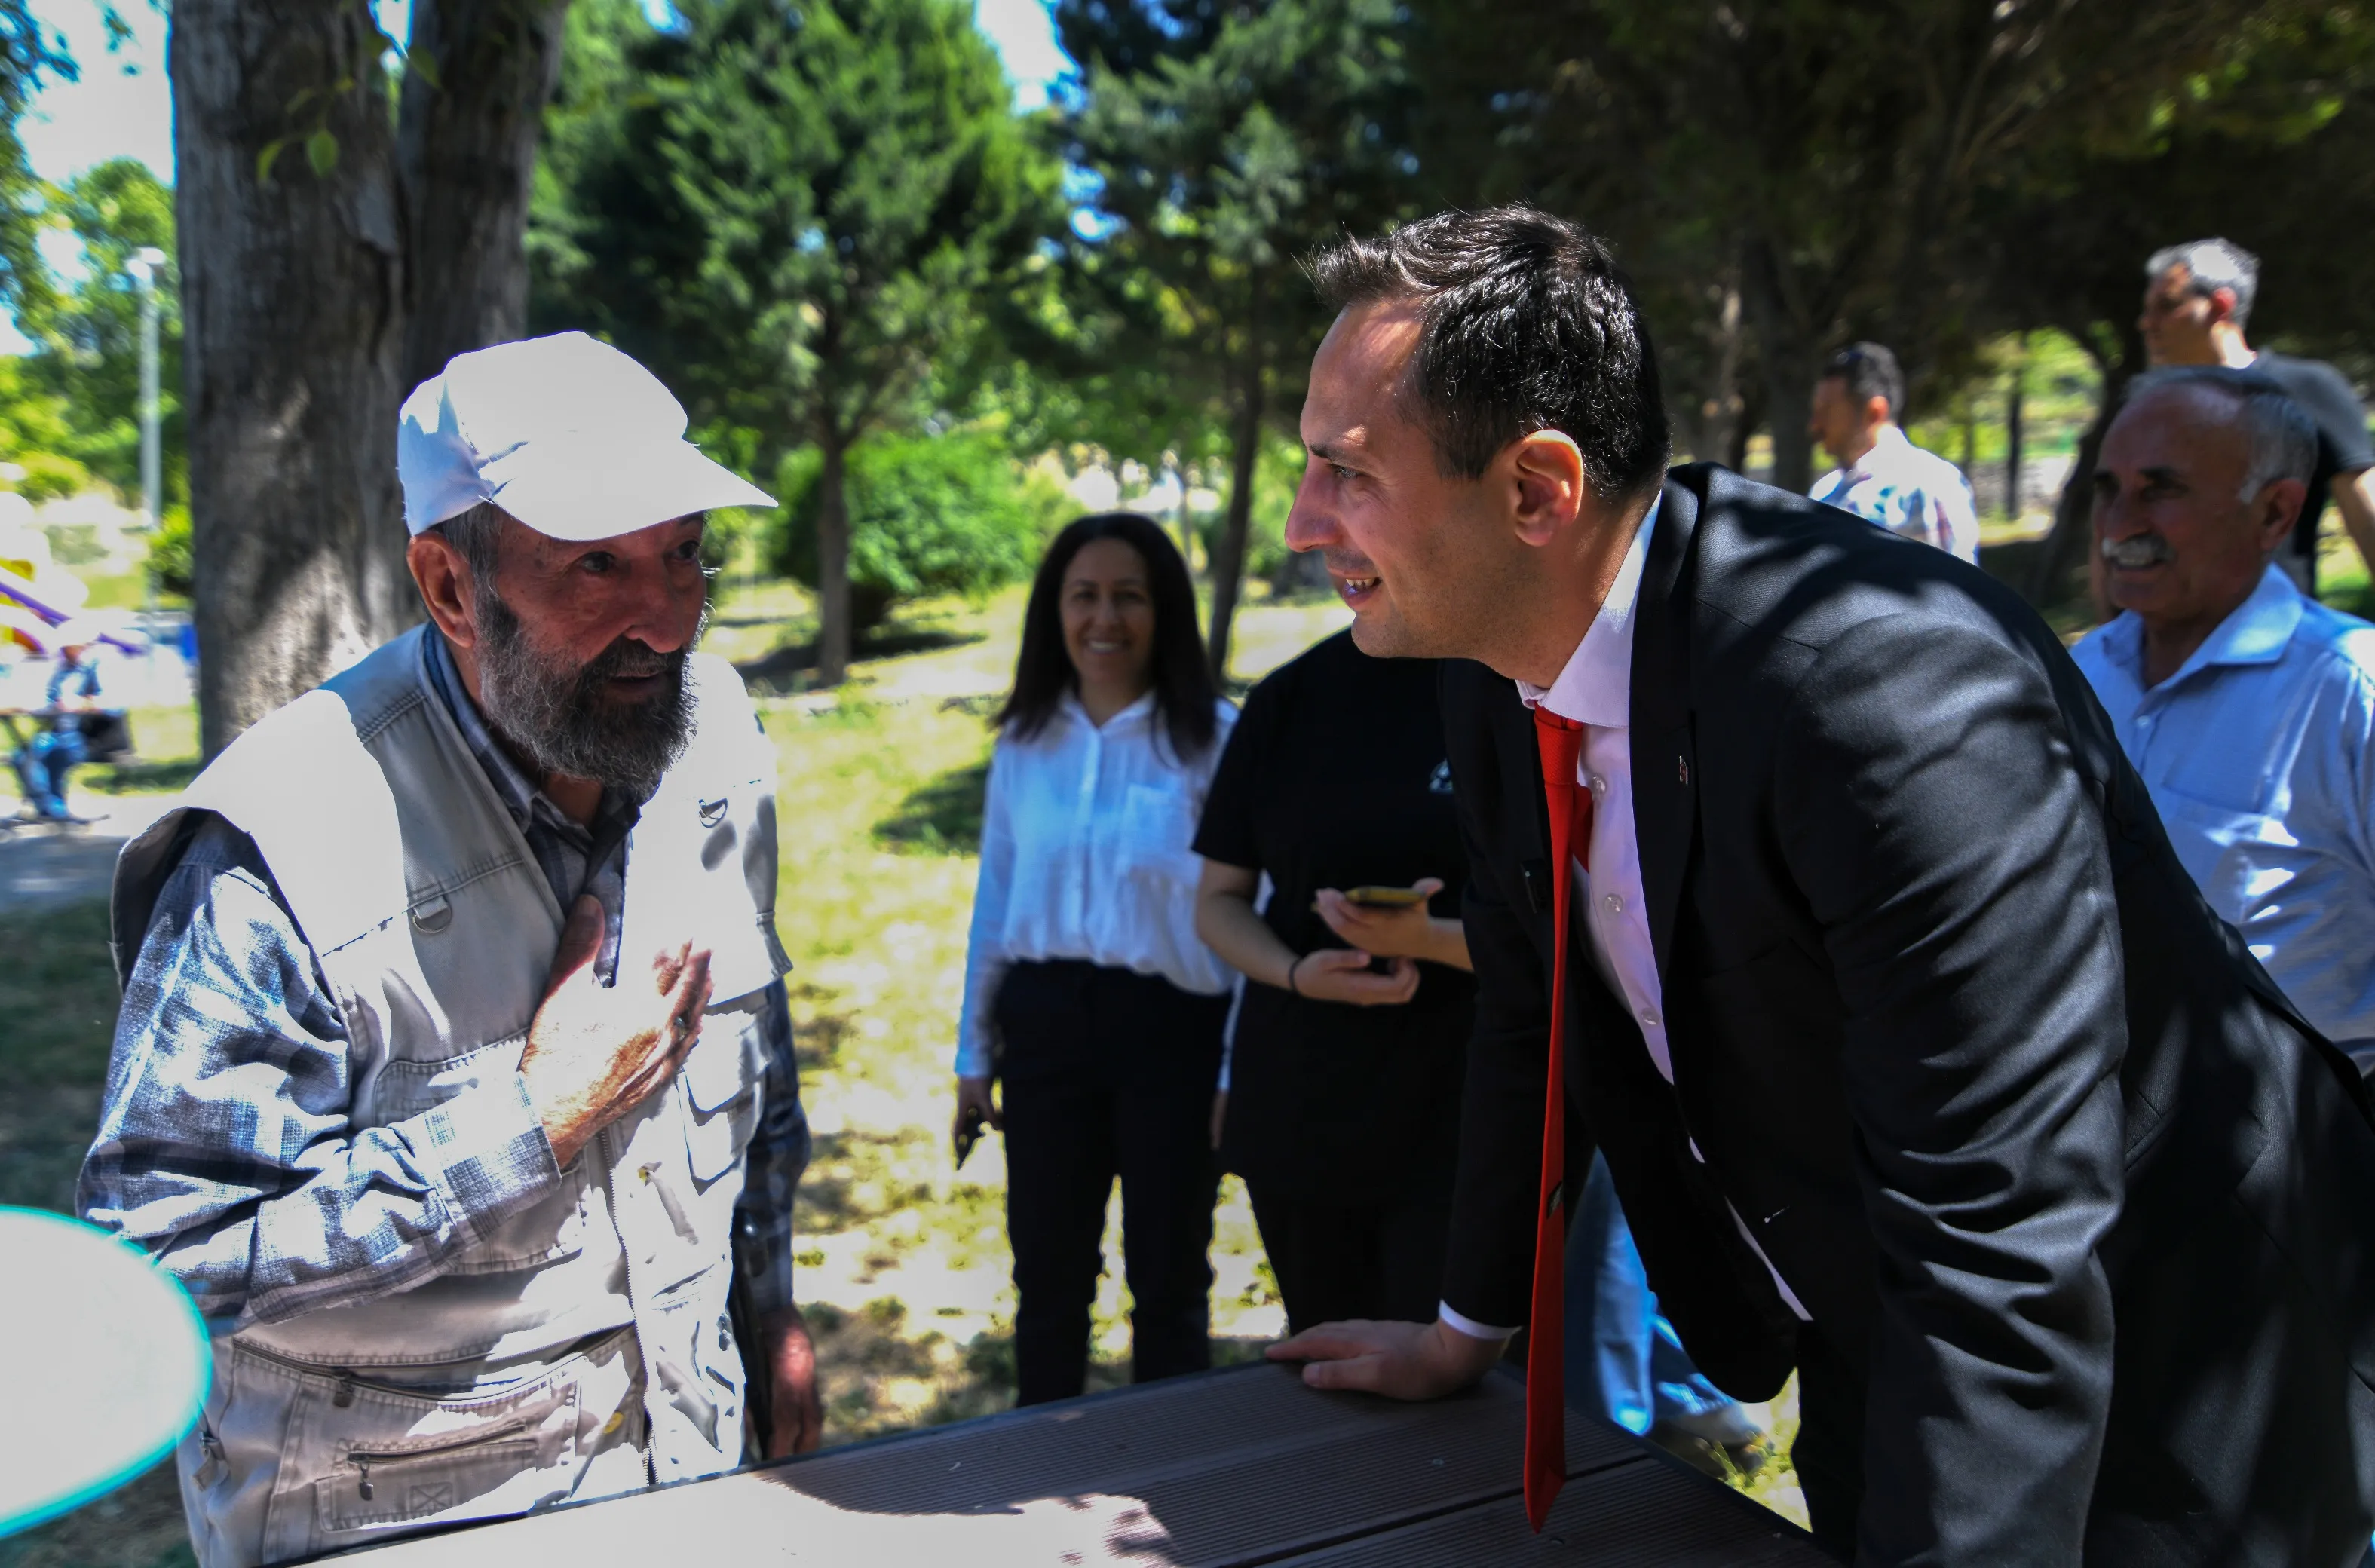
{"points": [[479, 534], [2282, 441], [2210, 266]]}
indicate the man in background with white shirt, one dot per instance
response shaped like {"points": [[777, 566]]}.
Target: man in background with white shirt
{"points": [[2248, 707], [1882, 477], [1809, 882]]}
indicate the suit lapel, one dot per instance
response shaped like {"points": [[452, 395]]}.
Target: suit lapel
{"points": [[1664, 769]]}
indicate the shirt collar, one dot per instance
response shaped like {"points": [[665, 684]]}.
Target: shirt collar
{"points": [[1141, 709], [2256, 631], [1886, 443], [1596, 687]]}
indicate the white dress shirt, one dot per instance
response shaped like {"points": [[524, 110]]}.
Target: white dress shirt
{"points": [[1907, 491], [1595, 689], [1084, 854], [2259, 756]]}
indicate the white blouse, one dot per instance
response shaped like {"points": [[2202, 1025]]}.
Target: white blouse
{"points": [[1084, 854]]}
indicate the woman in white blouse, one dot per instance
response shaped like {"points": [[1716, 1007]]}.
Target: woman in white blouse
{"points": [[1088, 997]]}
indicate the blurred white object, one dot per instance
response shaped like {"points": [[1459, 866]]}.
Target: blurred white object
{"points": [[115, 1365]]}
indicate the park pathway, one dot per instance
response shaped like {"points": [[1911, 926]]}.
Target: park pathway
{"points": [[43, 867]]}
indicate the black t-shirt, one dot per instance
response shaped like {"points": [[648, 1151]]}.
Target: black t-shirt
{"points": [[2343, 446], [1335, 777]]}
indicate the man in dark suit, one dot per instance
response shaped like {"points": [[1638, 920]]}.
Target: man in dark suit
{"points": [[1918, 1060]]}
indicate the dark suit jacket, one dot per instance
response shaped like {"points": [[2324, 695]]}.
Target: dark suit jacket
{"points": [[2079, 1202]]}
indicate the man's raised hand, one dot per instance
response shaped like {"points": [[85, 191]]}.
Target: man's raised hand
{"points": [[1401, 1360], [593, 1054]]}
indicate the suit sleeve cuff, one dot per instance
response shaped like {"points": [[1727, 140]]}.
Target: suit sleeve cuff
{"points": [[1453, 1318]]}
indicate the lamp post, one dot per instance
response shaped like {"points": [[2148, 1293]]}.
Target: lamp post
{"points": [[143, 267]]}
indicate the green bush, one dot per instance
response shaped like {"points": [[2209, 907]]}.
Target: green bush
{"points": [[169, 553], [927, 514]]}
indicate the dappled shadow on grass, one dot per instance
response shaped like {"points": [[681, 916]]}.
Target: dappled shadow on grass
{"points": [[141, 777], [942, 817], [779, 671], [849, 1182], [822, 1035]]}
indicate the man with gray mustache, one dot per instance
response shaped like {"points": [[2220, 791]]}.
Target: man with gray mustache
{"points": [[2248, 707], [454, 1077]]}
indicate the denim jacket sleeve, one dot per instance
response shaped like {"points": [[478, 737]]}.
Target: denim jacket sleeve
{"points": [[224, 1146]]}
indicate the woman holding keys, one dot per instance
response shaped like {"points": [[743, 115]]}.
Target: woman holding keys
{"points": [[1089, 1002]]}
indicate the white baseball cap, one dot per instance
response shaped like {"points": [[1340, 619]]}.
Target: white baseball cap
{"points": [[565, 433]]}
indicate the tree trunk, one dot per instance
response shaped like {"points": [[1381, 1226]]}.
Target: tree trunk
{"points": [[833, 639], [1785, 348], [1229, 552], [2073, 515], [466, 154], [2013, 418], [292, 297]]}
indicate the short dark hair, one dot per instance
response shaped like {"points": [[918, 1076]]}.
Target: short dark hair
{"points": [[1184, 696], [1527, 324], [1870, 371]]}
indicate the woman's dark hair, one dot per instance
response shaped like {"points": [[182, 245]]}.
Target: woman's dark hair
{"points": [[1184, 694]]}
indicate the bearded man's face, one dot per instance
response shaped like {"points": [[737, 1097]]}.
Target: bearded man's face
{"points": [[579, 646], [621, 718]]}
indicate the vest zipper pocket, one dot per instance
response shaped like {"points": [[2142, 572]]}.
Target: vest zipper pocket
{"points": [[364, 1458]]}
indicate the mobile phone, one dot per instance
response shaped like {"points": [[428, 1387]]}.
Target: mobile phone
{"points": [[1386, 897], [968, 1134]]}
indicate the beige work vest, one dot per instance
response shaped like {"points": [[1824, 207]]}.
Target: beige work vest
{"points": [[583, 1345]]}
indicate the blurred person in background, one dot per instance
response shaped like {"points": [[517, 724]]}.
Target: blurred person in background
{"points": [[1341, 1107], [1089, 1001], [70, 701], [2198, 299], [1882, 477], [2248, 707], [454, 1076]]}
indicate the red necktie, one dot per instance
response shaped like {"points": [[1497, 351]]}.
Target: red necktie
{"points": [[1570, 810]]}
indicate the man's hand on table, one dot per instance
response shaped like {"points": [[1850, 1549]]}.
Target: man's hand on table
{"points": [[593, 1054], [796, 1423], [1401, 1360]]}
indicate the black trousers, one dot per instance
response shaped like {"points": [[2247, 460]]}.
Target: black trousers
{"points": [[1336, 1261], [1105, 1074]]}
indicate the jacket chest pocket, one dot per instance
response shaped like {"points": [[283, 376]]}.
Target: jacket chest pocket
{"points": [[721, 1091]]}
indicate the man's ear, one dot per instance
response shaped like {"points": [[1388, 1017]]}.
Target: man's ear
{"points": [[2275, 511], [1875, 411], [2222, 305], [1547, 469], [443, 579]]}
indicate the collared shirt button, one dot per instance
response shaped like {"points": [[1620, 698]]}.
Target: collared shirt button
{"points": [[1650, 1018], [1613, 904], [1599, 785]]}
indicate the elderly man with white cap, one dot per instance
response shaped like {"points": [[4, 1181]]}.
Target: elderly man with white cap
{"points": [[454, 1062]]}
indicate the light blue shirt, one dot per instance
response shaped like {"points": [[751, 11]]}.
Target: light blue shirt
{"points": [[2260, 753]]}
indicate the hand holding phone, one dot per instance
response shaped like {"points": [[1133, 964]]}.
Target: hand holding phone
{"points": [[1382, 922]]}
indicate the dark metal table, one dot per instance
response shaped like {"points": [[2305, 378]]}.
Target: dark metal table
{"points": [[1234, 1468]]}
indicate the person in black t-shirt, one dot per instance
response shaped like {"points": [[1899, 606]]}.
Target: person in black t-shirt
{"points": [[1341, 1102], [2197, 298]]}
